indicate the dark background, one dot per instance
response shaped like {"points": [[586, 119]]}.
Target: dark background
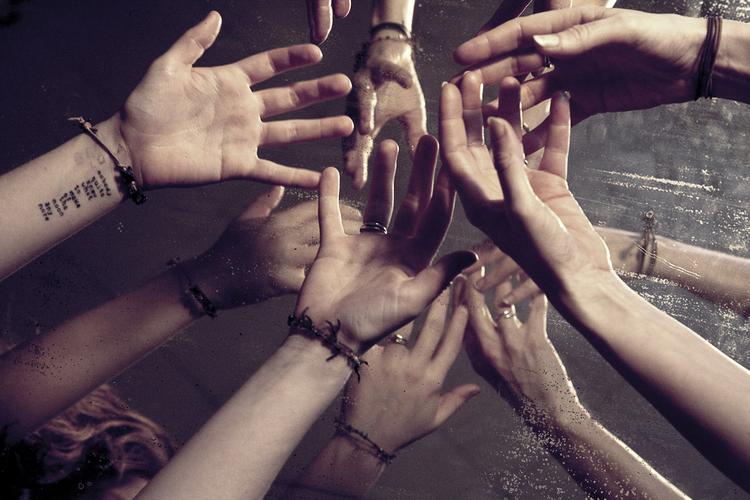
{"points": [[687, 162]]}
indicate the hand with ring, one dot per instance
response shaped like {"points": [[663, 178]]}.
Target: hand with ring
{"points": [[400, 398], [375, 283], [320, 15]]}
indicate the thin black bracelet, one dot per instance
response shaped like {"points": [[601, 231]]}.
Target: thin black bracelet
{"points": [[346, 429], [330, 339], [194, 292], [390, 26], [707, 58], [127, 176]]}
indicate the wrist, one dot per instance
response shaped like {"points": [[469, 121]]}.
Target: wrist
{"points": [[110, 132], [732, 66], [317, 357]]}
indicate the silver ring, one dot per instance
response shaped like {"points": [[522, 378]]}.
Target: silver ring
{"points": [[373, 227], [399, 339], [525, 127], [505, 314], [547, 62]]}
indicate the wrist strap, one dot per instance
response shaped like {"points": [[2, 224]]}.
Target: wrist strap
{"points": [[647, 244], [707, 58], [349, 431], [194, 293], [329, 339], [390, 26], [127, 177]]}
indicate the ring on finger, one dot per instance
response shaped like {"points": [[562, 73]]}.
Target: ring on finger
{"points": [[399, 339], [508, 313], [373, 227]]}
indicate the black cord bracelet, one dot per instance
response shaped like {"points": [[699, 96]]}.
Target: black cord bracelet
{"points": [[707, 58], [127, 176], [346, 429], [647, 244], [390, 26], [194, 292]]}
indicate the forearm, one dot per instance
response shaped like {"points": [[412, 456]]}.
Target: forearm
{"points": [[715, 276], [44, 376], [731, 78], [239, 451], [393, 11], [342, 469], [701, 391], [602, 465], [54, 196]]}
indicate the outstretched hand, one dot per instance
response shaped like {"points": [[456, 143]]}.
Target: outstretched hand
{"points": [[263, 254], [530, 215], [386, 87], [655, 58], [374, 283], [400, 398], [185, 125]]}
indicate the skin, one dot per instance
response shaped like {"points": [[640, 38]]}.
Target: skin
{"points": [[320, 14], [399, 400], [181, 126], [521, 363], [252, 435], [532, 216], [42, 377]]}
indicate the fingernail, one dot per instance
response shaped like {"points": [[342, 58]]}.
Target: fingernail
{"points": [[547, 41], [566, 94], [507, 301]]}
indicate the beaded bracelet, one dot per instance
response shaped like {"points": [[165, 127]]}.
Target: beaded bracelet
{"points": [[127, 176], [349, 431], [329, 339], [195, 294]]}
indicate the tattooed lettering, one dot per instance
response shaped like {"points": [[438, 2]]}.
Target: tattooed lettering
{"points": [[90, 189]]}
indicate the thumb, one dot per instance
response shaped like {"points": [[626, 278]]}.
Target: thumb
{"points": [[580, 38], [264, 204], [431, 281], [191, 45], [451, 401]]}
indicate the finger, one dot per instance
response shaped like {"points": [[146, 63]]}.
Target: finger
{"points": [[471, 98], [419, 191], [487, 252], [195, 41], [509, 107], [518, 33], [480, 318], [457, 291], [329, 211], [581, 38], [432, 329], [508, 9], [498, 273], [452, 131], [341, 8], [264, 65], [524, 291], [433, 226], [450, 345], [300, 95], [508, 157], [555, 159], [429, 282], [273, 173], [537, 322], [415, 126], [380, 197], [365, 103], [516, 64], [357, 149], [452, 401], [264, 204], [320, 19], [292, 131]]}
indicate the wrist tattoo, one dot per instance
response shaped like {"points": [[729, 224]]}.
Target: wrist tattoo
{"points": [[95, 187]]}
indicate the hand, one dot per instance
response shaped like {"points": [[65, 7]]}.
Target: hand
{"points": [[374, 283], [529, 214], [399, 399], [609, 59], [386, 87], [320, 17], [519, 361], [261, 254], [184, 125]]}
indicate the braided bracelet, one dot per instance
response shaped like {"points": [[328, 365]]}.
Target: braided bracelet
{"points": [[349, 431], [707, 58], [329, 339], [127, 176], [196, 295]]}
